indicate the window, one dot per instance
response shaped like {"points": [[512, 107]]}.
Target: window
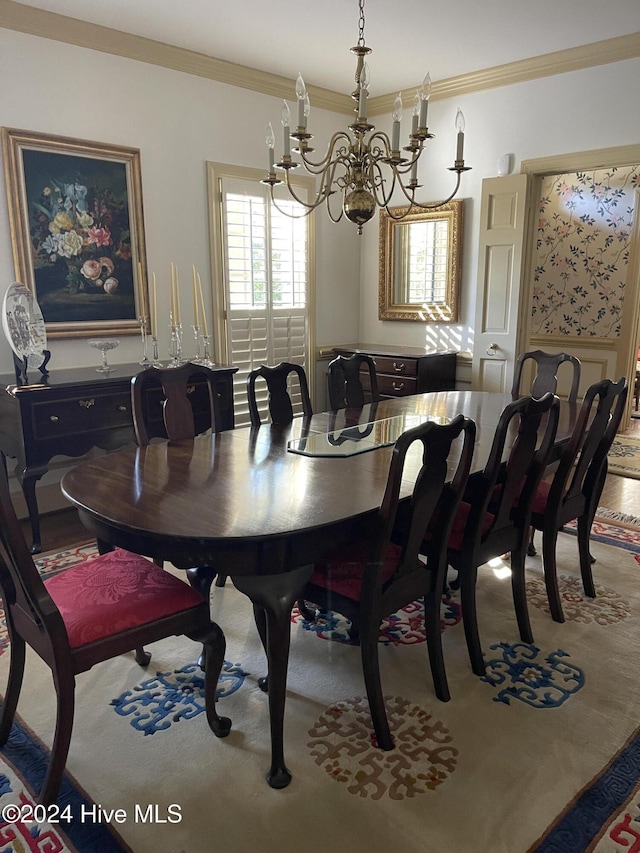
{"points": [[263, 262]]}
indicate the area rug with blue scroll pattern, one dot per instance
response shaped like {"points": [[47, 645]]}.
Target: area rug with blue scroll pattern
{"points": [[542, 754]]}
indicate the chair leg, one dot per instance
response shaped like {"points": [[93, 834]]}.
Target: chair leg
{"points": [[305, 611], [549, 545], [371, 670], [65, 690], [519, 591], [221, 579], [467, 580], [14, 684], [531, 548], [432, 604], [143, 658], [584, 532], [214, 649]]}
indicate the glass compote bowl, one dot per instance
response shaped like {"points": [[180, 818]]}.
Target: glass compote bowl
{"points": [[104, 346]]}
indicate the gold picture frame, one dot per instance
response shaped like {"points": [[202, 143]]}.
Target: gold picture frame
{"points": [[440, 274], [77, 231]]}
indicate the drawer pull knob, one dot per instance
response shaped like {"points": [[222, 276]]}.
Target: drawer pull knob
{"points": [[398, 386], [122, 408], [399, 367], [54, 419], [86, 404]]}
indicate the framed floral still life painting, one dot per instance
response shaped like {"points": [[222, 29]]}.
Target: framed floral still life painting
{"points": [[77, 232]]}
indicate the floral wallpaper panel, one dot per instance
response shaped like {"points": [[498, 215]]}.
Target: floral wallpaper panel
{"points": [[582, 250]]}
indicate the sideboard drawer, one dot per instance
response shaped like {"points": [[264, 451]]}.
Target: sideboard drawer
{"points": [[396, 366], [81, 414], [396, 386]]}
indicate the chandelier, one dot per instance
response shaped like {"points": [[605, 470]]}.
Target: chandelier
{"points": [[364, 167]]}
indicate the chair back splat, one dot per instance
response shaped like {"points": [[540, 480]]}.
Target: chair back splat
{"points": [[574, 491], [373, 578], [280, 405], [344, 380], [493, 517], [546, 378], [177, 390], [189, 406], [72, 630]]}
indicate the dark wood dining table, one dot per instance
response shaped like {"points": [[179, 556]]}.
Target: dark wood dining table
{"points": [[262, 505]]}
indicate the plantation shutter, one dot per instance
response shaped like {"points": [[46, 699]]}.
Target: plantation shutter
{"points": [[266, 272]]}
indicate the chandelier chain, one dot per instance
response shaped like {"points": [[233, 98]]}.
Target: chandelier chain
{"points": [[361, 24]]}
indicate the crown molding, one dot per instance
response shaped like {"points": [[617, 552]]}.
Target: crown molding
{"points": [[547, 65], [599, 158], [50, 25]]}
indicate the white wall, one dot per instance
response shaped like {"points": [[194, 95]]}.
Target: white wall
{"points": [[178, 122], [579, 111]]}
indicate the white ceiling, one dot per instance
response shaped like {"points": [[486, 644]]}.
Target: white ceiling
{"points": [[408, 37]]}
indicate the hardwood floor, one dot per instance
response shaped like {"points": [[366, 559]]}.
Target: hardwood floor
{"points": [[622, 494]]}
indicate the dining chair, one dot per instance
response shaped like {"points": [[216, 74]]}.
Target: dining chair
{"points": [[546, 379], [575, 489], [280, 405], [494, 516], [377, 576], [175, 390], [546, 376], [345, 383], [87, 614]]}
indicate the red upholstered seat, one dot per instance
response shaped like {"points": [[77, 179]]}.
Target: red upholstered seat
{"points": [[540, 498], [343, 575], [116, 592], [460, 522]]}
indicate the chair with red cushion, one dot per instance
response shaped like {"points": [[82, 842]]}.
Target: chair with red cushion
{"points": [[494, 516], [181, 414], [344, 381], [575, 489], [87, 614], [545, 379], [280, 405], [376, 577]]}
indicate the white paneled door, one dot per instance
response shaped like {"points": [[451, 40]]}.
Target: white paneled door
{"points": [[503, 220]]}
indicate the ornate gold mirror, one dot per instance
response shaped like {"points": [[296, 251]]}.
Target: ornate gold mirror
{"points": [[419, 275]]}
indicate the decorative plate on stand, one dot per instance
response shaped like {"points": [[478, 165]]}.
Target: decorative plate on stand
{"points": [[23, 325]]}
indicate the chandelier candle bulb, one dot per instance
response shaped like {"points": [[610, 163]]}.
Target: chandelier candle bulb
{"points": [[460, 129], [425, 94], [415, 112], [364, 85], [285, 119], [397, 116], [271, 144], [301, 95]]}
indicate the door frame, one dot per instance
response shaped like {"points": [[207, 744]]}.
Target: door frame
{"points": [[626, 155]]}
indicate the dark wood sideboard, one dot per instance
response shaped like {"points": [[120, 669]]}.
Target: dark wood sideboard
{"points": [[71, 411], [401, 371]]}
